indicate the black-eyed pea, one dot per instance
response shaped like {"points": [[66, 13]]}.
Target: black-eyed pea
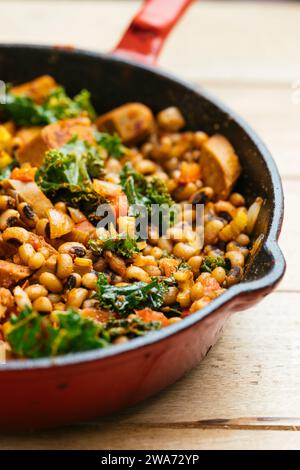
{"points": [[138, 274], [211, 231], [237, 199], [170, 119], [26, 251], [43, 227], [243, 239], [36, 261], [45, 251], [42, 305], [51, 282], [76, 297], [120, 340], [145, 167], [195, 263], [64, 265], [27, 214], [7, 202], [50, 264], [197, 291], [54, 298], [234, 276], [170, 296], [21, 298], [89, 280], [74, 280], [36, 290], [185, 251], [152, 270], [9, 218], [59, 306], [219, 274], [15, 236], [236, 258], [73, 248], [184, 298]]}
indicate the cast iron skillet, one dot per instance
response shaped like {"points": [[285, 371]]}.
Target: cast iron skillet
{"points": [[50, 392]]}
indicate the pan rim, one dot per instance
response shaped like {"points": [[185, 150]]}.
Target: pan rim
{"points": [[246, 288]]}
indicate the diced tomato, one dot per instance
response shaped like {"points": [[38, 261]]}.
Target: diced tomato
{"points": [[210, 284], [147, 314], [25, 174], [189, 172]]}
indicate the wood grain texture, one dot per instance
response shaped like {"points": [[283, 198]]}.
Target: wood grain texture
{"points": [[245, 394]]}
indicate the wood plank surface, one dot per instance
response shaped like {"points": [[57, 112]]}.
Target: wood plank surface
{"points": [[245, 394]]}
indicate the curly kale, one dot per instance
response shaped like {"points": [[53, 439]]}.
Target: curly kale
{"points": [[121, 245], [124, 299], [147, 193], [34, 335], [112, 144], [66, 175], [57, 105]]}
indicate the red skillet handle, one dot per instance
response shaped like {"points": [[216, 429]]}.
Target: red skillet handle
{"points": [[148, 30]]}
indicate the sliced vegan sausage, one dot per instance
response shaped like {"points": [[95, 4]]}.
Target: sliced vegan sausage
{"points": [[11, 273], [132, 122], [220, 165], [37, 89], [54, 135]]}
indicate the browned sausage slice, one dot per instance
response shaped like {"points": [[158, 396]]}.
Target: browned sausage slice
{"points": [[132, 122], [220, 165], [33, 149], [37, 89], [11, 273]]}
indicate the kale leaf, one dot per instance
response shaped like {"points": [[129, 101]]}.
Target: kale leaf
{"points": [[147, 193], [66, 175], [124, 299], [34, 335], [212, 262], [112, 143], [57, 105], [121, 245]]}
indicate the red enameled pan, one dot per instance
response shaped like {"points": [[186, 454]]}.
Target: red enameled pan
{"points": [[50, 392]]}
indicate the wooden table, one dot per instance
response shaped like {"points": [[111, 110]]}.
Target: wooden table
{"points": [[245, 394]]}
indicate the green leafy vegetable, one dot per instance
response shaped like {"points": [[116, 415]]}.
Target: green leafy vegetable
{"points": [[125, 299], [184, 266], [25, 112], [211, 262], [121, 245], [5, 172], [112, 143], [143, 192], [66, 175], [34, 335]]}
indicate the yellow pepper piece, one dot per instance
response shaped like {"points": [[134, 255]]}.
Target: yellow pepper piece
{"points": [[5, 159], [5, 137]]}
